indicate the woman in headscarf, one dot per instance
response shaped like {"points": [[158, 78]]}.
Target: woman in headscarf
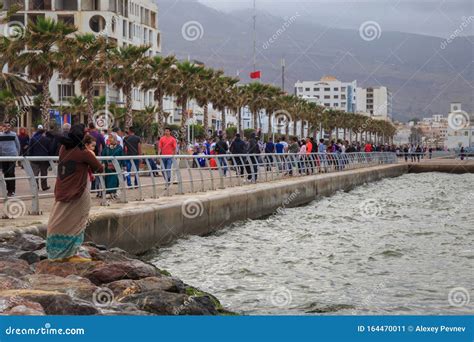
{"points": [[70, 212], [113, 149]]}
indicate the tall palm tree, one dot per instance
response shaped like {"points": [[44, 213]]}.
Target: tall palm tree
{"points": [[161, 70], [128, 70], [221, 96], [238, 100], [85, 59], [206, 87], [41, 56], [184, 87], [256, 96]]}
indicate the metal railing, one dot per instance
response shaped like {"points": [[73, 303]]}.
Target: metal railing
{"points": [[143, 177]]}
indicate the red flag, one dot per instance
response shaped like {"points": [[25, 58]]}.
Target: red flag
{"points": [[255, 74]]}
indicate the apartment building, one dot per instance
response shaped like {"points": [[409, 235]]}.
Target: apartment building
{"points": [[375, 102], [329, 92], [125, 22]]}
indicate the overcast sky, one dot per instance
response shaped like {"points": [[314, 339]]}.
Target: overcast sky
{"points": [[429, 17]]}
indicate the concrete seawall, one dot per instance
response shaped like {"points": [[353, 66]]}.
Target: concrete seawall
{"points": [[139, 226]]}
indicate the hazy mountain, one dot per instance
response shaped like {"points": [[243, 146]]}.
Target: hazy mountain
{"points": [[422, 75]]}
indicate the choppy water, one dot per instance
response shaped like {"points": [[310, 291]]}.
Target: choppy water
{"points": [[398, 246]]}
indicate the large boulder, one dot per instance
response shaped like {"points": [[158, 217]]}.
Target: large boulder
{"points": [[108, 272], [18, 306], [28, 242], [63, 269], [125, 287], [53, 302], [166, 303], [8, 283], [73, 285], [14, 267]]}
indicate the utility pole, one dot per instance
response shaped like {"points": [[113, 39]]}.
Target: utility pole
{"points": [[254, 36], [283, 74]]}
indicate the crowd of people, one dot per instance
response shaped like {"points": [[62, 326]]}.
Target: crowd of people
{"points": [[116, 143]]}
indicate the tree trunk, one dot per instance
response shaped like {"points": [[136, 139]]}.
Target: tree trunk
{"points": [[159, 111], [205, 120], [350, 135], [295, 128], [239, 119], [345, 132], [45, 103], [302, 129], [254, 114], [128, 107], [224, 122], [184, 121], [90, 102], [270, 126]]}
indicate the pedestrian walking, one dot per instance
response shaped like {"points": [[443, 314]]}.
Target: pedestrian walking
{"points": [[9, 147], [40, 146], [167, 147]]}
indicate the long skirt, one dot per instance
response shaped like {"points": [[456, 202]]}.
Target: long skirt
{"points": [[66, 226]]}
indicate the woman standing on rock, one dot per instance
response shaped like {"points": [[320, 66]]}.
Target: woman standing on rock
{"points": [[68, 218]]}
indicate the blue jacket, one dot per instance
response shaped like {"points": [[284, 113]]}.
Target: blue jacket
{"points": [[39, 145], [9, 144]]}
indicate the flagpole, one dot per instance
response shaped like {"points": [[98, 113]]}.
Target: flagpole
{"points": [[254, 36]]}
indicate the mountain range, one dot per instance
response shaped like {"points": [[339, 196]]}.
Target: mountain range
{"points": [[424, 73]]}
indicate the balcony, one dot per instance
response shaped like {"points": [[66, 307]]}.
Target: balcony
{"points": [[66, 5]]}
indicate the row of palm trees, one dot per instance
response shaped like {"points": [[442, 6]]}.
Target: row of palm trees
{"points": [[47, 46]]}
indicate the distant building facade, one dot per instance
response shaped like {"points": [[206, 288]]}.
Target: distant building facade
{"points": [[375, 102]]}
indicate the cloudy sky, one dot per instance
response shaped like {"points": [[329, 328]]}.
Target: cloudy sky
{"points": [[429, 17]]}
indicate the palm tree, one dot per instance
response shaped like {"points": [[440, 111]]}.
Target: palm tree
{"points": [[238, 100], [221, 96], [85, 59], [129, 69], [162, 71], [77, 105], [42, 58], [256, 97], [184, 87], [206, 87]]}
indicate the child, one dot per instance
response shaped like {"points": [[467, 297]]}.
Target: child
{"points": [[89, 143]]}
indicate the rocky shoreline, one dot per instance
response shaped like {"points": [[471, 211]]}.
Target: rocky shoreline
{"points": [[114, 283]]}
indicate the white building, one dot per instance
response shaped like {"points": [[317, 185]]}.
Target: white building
{"points": [[459, 134], [126, 22], [375, 102], [329, 92]]}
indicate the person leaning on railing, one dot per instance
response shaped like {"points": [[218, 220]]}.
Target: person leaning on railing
{"points": [[9, 147], [167, 146]]}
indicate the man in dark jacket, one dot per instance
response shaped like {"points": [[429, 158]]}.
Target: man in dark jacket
{"points": [[222, 148], [40, 146], [238, 147], [253, 150]]}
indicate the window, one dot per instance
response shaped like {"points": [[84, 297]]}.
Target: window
{"points": [[300, 89], [327, 89], [327, 97], [336, 105], [343, 97], [67, 19], [336, 89], [343, 104], [327, 104], [130, 30], [343, 89], [65, 90], [124, 28], [307, 89], [316, 89], [336, 96]]}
